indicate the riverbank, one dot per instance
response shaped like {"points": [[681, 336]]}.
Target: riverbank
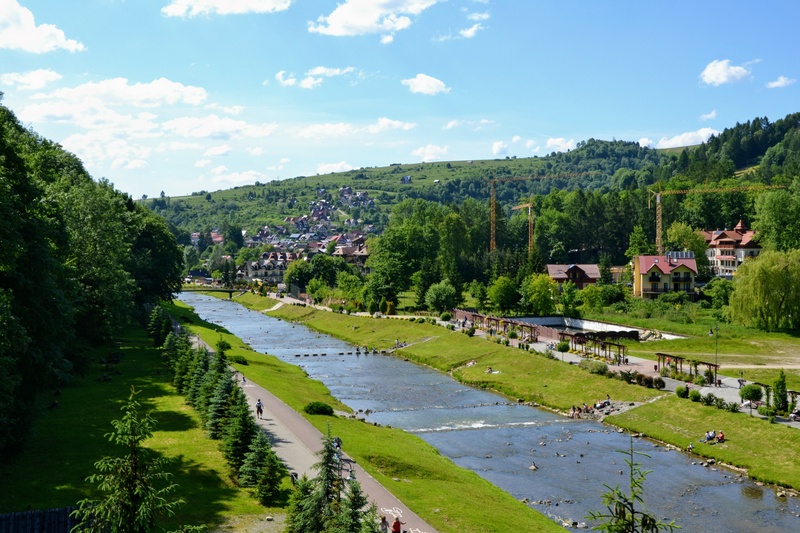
{"points": [[450, 498], [558, 386]]}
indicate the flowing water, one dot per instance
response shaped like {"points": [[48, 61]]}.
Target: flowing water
{"points": [[500, 441]]}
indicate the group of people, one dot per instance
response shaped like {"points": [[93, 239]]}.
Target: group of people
{"points": [[711, 437], [395, 526], [575, 412]]}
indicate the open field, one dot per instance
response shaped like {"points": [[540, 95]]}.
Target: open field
{"points": [[66, 442]]}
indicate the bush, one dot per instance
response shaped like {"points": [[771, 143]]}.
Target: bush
{"points": [[445, 317], [720, 403], [733, 407], [512, 334], [763, 410], [681, 392], [238, 359], [709, 399], [648, 382], [318, 408], [421, 320], [700, 381], [659, 383], [451, 327], [470, 332], [591, 366], [695, 395]]}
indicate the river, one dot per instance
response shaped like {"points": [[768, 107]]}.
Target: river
{"points": [[500, 440]]}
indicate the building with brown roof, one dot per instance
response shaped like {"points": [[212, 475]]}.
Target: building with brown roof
{"points": [[654, 275], [580, 275], [729, 248]]}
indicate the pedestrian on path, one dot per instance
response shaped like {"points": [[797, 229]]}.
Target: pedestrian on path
{"points": [[396, 525], [384, 525], [259, 409]]}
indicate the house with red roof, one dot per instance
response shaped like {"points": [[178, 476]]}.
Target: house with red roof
{"points": [[729, 248], [580, 275], [654, 275]]}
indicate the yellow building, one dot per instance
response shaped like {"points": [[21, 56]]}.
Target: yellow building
{"points": [[654, 275]]}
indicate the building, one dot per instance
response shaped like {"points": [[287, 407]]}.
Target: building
{"points": [[580, 275], [654, 275], [727, 249]]}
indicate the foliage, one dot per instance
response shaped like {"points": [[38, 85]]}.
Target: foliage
{"points": [[767, 291], [318, 408], [262, 470], [239, 431], [133, 501], [503, 294], [594, 367], [781, 401], [539, 294], [441, 296], [681, 391], [695, 395], [625, 511]]}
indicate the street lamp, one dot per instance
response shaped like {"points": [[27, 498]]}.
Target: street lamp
{"points": [[712, 332]]}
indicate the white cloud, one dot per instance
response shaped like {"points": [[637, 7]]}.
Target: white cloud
{"points": [[221, 175], [230, 109], [309, 82], [469, 33], [362, 17], [327, 168], [179, 145], [516, 139], [782, 81], [283, 80], [531, 145], [215, 127], [430, 152], [559, 144], [120, 91], [499, 148], [478, 16], [689, 138], [719, 72], [18, 31], [320, 131], [385, 124], [222, 149], [255, 151], [644, 142], [709, 116], [329, 72], [98, 146], [452, 124], [220, 169], [31, 80], [202, 163], [192, 8], [422, 83]]}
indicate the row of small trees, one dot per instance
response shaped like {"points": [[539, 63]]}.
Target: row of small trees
{"points": [[207, 383]]}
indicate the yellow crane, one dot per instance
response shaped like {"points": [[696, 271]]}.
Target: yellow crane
{"points": [[529, 207], [705, 190], [494, 181]]}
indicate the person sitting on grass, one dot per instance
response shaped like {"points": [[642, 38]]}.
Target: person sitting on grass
{"points": [[720, 436]]}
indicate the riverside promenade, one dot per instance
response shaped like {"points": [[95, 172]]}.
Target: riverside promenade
{"points": [[296, 443]]}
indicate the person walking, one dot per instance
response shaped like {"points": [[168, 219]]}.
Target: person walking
{"points": [[259, 409], [396, 525]]}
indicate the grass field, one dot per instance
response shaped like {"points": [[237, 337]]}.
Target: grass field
{"points": [[66, 442]]}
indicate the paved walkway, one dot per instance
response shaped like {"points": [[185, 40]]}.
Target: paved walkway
{"points": [[296, 442]]}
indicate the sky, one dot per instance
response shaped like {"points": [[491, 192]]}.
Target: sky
{"points": [[179, 96]]}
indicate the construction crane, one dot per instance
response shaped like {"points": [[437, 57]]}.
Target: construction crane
{"points": [[494, 181], [529, 207], [659, 193]]}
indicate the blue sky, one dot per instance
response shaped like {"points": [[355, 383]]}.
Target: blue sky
{"points": [[188, 95]]}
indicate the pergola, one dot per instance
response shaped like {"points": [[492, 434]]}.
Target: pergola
{"points": [[607, 349], [665, 359]]}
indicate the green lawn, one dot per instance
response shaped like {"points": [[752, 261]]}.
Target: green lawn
{"points": [[66, 442]]}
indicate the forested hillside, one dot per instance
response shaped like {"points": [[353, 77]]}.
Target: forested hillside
{"points": [[79, 261]]}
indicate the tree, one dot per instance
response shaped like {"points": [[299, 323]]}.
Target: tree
{"points": [[569, 294], [751, 393], [133, 501], [262, 470], [776, 218], [298, 273], [503, 294], [441, 296], [681, 237], [720, 291], [239, 431], [638, 244], [767, 291], [626, 512], [539, 294], [780, 394]]}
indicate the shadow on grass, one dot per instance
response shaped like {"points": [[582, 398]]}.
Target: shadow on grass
{"points": [[173, 421]]}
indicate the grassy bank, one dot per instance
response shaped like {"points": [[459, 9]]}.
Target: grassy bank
{"points": [[450, 498], [67, 441], [767, 451]]}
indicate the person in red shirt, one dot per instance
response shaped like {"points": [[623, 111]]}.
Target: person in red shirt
{"points": [[396, 525]]}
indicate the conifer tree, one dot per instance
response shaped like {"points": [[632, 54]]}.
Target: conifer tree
{"points": [[239, 431], [219, 405], [197, 373], [269, 479]]}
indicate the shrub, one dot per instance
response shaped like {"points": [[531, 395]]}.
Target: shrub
{"points": [[720, 403], [451, 327], [700, 381], [648, 382], [470, 332], [593, 367], [709, 375], [763, 410], [695, 395], [681, 392], [238, 359], [318, 408], [664, 372], [505, 342], [709, 399], [421, 320], [512, 334], [659, 383], [445, 317], [733, 407]]}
